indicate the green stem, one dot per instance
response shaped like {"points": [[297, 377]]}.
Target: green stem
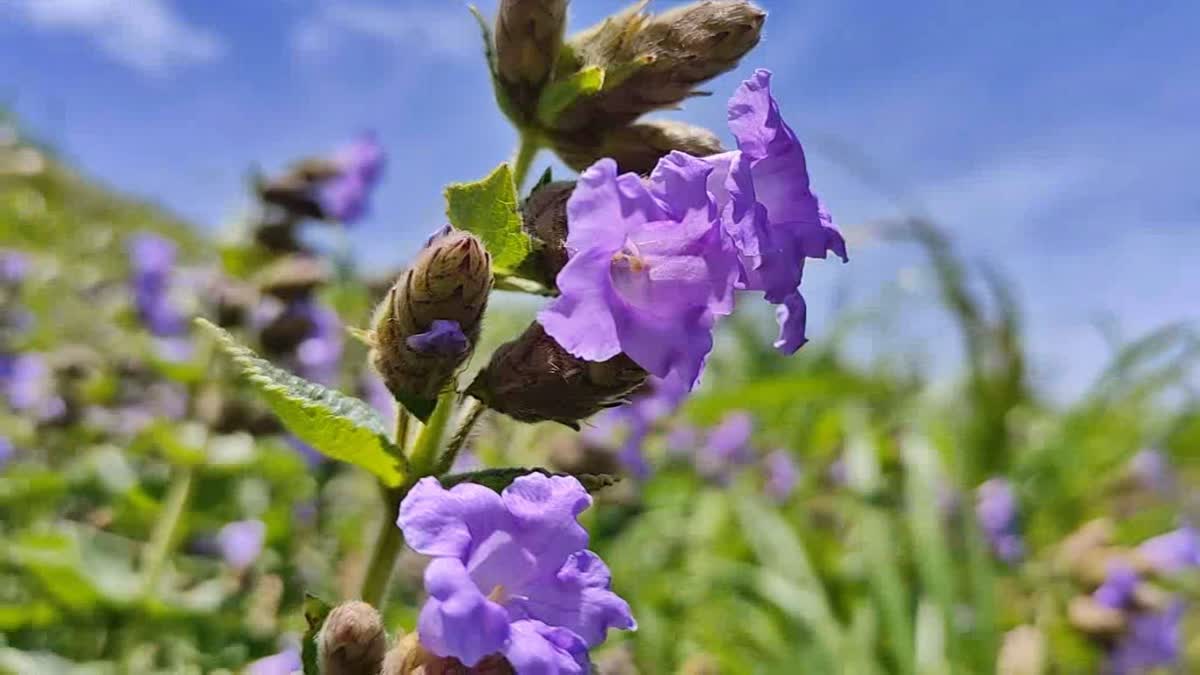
{"points": [[526, 151], [475, 410], [164, 529], [425, 450], [387, 548]]}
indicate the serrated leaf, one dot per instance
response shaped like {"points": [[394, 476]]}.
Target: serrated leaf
{"points": [[315, 612], [559, 96], [498, 479], [336, 425], [488, 209]]}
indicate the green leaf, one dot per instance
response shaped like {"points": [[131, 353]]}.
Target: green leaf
{"points": [[498, 479], [488, 209], [337, 425], [315, 611], [558, 96], [546, 178]]}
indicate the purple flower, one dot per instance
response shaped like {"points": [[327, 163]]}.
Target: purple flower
{"points": [[14, 267], [996, 510], [768, 206], [727, 447], [28, 385], [1152, 640], [1174, 551], [650, 268], [285, 662], [782, 475], [152, 260], [511, 573], [682, 440], [7, 450], [636, 420], [344, 197], [320, 353], [241, 542], [443, 337], [1152, 470], [1119, 584]]}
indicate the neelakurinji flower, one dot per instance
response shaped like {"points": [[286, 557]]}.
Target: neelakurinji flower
{"points": [[1152, 640], [241, 542], [635, 421], [1172, 552], [782, 474], [727, 447], [1120, 582], [511, 573], [344, 196], [27, 383], [649, 270], [769, 208], [996, 511], [14, 267], [1152, 470], [320, 353], [152, 260], [285, 662]]}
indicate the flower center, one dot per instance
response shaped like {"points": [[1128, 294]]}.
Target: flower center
{"points": [[630, 274], [498, 595]]}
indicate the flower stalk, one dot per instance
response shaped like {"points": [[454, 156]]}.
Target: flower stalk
{"points": [[165, 528], [527, 149]]}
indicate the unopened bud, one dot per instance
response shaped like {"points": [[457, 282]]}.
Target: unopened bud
{"points": [[352, 640], [1077, 548], [533, 379], [637, 147], [292, 277], [429, 322], [654, 62], [528, 37], [1091, 617], [294, 192], [1023, 652], [544, 218]]}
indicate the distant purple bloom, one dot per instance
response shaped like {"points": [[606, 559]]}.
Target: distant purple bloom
{"points": [[28, 385], [285, 662], [996, 510], [768, 206], [152, 261], [782, 475], [344, 197], [632, 423], [650, 269], [1174, 551], [838, 473], [1152, 470], [682, 440], [311, 455], [14, 267], [466, 461], [319, 355], [7, 451], [727, 447], [1119, 584], [376, 394], [443, 337], [511, 573], [241, 542], [1152, 640]]}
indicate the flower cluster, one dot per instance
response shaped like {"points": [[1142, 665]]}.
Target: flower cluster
{"points": [[511, 573], [152, 263], [653, 263], [344, 195]]}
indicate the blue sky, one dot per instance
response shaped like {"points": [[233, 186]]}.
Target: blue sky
{"points": [[1057, 140]]}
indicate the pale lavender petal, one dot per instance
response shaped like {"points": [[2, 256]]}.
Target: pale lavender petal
{"points": [[545, 509], [579, 599], [285, 662], [792, 317], [457, 620], [782, 475], [241, 542], [535, 648], [1174, 551], [1117, 590], [605, 205], [442, 522], [579, 319]]}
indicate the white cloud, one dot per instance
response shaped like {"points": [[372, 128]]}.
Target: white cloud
{"points": [[147, 35], [447, 32]]}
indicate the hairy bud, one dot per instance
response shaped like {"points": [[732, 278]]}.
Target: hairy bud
{"points": [[544, 217], [656, 62], [637, 147], [352, 640], [429, 321], [528, 36], [533, 378], [1023, 652], [293, 191], [1091, 617]]}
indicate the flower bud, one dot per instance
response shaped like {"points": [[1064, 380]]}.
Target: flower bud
{"points": [[1091, 617], [292, 277], [293, 191], [1023, 652], [533, 379], [352, 640], [637, 147], [528, 36], [654, 62], [544, 217], [428, 323]]}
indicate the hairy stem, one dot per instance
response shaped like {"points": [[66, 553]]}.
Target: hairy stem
{"points": [[387, 548], [526, 151], [162, 537], [475, 410], [425, 449]]}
